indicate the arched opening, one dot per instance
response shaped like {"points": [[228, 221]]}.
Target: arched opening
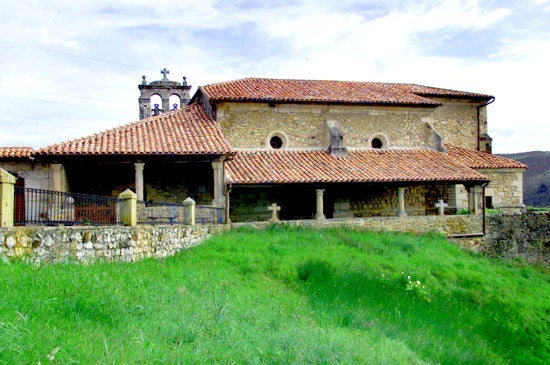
{"points": [[175, 102], [156, 104]]}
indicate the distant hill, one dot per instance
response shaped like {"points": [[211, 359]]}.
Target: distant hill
{"points": [[536, 179]]}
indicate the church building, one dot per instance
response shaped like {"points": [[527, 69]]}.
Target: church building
{"points": [[311, 149]]}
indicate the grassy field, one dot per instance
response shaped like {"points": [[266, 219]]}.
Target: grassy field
{"points": [[281, 295]]}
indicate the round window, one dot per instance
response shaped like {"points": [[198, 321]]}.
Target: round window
{"points": [[376, 143], [276, 142]]}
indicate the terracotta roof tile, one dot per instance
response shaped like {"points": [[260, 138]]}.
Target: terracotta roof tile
{"points": [[256, 89], [482, 160], [299, 166], [184, 131], [15, 152]]}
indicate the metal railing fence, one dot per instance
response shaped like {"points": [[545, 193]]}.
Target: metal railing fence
{"points": [[45, 207]]}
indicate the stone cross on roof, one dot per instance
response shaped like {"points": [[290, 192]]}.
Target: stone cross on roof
{"points": [[274, 212], [164, 72]]}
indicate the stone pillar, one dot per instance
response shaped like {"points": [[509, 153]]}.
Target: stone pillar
{"points": [[319, 204], [472, 199], [401, 202], [56, 183], [217, 167], [139, 180], [129, 207], [7, 198], [190, 211]]}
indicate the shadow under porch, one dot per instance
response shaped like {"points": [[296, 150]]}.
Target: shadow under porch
{"points": [[339, 200], [169, 181]]}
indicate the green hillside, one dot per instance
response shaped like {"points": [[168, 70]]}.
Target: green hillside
{"points": [[280, 296], [536, 179]]}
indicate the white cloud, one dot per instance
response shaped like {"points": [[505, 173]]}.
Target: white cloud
{"points": [[500, 48]]}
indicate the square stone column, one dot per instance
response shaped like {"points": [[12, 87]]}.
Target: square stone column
{"points": [[58, 179], [7, 198], [473, 200], [217, 168], [140, 187]]}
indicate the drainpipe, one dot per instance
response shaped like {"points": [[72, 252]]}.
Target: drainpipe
{"points": [[483, 207], [478, 119]]}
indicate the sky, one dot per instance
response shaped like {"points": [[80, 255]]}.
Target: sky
{"points": [[72, 68]]}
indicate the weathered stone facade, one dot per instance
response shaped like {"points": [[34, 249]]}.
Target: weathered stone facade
{"points": [[39, 175], [505, 189], [87, 244], [249, 125]]}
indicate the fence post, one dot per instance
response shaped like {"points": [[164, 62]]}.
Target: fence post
{"points": [[7, 198], [190, 207], [129, 207]]}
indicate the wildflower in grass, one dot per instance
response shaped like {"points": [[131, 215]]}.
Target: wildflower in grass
{"points": [[416, 287]]}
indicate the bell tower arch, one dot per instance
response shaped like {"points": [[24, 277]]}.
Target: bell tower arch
{"points": [[165, 89]]}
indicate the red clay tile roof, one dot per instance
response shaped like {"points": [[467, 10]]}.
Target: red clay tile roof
{"points": [[184, 131], [325, 91], [15, 152], [482, 160], [299, 166]]}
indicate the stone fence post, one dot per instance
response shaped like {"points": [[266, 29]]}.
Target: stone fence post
{"points": [[190, 210], [129, 207], [7, 198]]}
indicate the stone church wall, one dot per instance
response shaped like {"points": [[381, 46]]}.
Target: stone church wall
{"points": [[248, 125], [456, 121]]}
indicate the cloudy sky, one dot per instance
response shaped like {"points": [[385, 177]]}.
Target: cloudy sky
{"points": [[71, 68]]}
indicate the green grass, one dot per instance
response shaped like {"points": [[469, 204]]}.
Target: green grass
{"points": [[281, 295]]}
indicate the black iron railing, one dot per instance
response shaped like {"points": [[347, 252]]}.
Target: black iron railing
{"points": [[207, 214], [161, 213], [45, 207]]}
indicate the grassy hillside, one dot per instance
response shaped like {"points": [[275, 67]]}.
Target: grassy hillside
{"points": [[536, 179], [280, 296]]}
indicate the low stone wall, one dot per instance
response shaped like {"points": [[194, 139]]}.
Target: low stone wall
{"points": [[447, 225], [525, 236], [87, 244], [512, 236]]}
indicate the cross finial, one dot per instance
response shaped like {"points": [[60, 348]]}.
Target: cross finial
{"points": [[164, 72]]}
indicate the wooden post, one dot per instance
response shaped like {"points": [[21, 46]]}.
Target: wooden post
{"points": [[129, 207], [7, 198]]}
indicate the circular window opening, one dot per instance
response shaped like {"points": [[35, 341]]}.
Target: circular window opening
{"points": [[376, 143], [276, 142]]}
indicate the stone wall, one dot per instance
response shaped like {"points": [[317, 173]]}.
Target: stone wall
{"points": [[87, 244], [39, 175], [456, 121], [248, 125], [525, 236], [505, 189], [448, 225]]}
